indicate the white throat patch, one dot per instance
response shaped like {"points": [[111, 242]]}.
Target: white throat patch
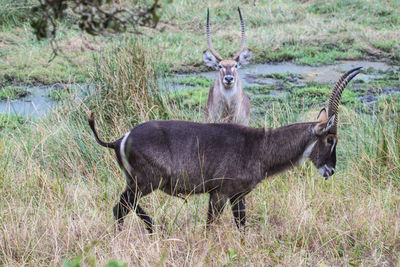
{"points": [[228, 93], [306, 153]]}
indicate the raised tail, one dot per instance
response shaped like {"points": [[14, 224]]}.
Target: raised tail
{"points": [[91, 124]]}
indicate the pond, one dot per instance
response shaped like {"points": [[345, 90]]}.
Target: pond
{"points": [[257, 74], [39, 100], [376, 79]]}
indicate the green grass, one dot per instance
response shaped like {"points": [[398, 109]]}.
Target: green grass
{"points": [[278, 75], [59, 93], [11, 122], [259, 89], [196, 81], [394, 101], [13, 92], [14, 13], [58, 186], [313, 56], [314, 94], [27, 61], [382, 15], [191, 98], [305, 32]]}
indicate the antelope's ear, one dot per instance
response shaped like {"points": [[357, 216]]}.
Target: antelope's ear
{"points": [[244, 58], [322, 116], [210, 60], [323, 127]]}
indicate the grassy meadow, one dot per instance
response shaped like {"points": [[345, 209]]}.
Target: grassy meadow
{"points": [[58, 186]]}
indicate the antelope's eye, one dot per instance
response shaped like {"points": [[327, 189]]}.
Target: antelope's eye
{"points": [[236, 66], [330, 140], [220, 66]]}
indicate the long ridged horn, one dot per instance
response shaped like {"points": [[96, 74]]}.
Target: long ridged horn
{"points": [[210, 45], [243, 36], [336, 95], [344, 76]]}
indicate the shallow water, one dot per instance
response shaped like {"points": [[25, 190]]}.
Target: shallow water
{"points": [[37, 103], [254, 75], [329, 73]]}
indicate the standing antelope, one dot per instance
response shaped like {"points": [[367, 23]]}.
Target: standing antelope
{"points": [[225, 160], [227, 101]]}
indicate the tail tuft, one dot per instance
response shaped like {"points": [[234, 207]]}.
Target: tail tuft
{"points": [[92, 126]]}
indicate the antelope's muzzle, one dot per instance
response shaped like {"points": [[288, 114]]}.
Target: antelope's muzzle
{"points": [[228, 79], [326, 171]]}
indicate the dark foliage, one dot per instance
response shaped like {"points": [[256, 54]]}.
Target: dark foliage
{"points": [[93, 16]]}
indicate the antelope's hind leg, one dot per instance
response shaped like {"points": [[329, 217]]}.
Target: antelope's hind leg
{"points": [[215, 206], [127, 202]]}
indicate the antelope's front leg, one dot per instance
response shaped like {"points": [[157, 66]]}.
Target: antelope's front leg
{"points": [[215, 206]]}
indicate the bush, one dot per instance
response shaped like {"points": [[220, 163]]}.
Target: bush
{"points": [[127, 84]]}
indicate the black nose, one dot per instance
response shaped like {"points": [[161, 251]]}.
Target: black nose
{"points": [[228, 78]]}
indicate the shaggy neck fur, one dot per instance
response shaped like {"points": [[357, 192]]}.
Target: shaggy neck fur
{"points": [[287, 146]]}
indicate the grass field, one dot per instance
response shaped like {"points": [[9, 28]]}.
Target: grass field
{"points": [[58, 187], [306, 32]]}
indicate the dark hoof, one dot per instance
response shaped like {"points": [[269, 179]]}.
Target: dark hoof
{"points": [[117, 227], [149, 229], [117, 213]]}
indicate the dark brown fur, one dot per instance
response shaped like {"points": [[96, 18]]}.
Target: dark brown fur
{"points": [[225, 160]]}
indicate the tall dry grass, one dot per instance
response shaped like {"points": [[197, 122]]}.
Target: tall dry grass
{"points": [[127, 83], [58, 187]]}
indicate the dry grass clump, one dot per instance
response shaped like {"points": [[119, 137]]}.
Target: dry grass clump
{"points": [[126, 81]]}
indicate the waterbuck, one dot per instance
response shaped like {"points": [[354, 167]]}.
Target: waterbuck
{"points": [[227, 101], [225, 160]]}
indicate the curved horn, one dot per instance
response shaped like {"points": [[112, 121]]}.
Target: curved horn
{"points": [[335, 88], [210, 45], [243, 36], [337, 94]]}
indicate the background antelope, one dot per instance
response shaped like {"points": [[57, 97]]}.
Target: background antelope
{"points": [[225, 160], [227, 101]]}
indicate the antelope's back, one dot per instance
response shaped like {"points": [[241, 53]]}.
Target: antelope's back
{"points": [[195, 147]]}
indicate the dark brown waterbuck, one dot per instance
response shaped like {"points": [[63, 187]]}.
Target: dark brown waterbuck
{"points": [[227, 101], [225, 160]]}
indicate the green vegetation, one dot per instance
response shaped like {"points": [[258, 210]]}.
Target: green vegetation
{"points": [[316, 94], [195, 93], [14, 13], [302, 95], [194, 81], [393, 101], [382, 17], [193, 97], [259, 89], [58, 94], [58, 186], [279, 75], [10, 122], [79, 261], [306, 32], [12, 92], [313, 56], [129, 76]]}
